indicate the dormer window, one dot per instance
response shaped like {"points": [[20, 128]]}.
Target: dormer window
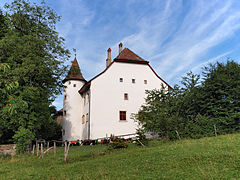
{"points": [[133, 81], [120, 79]]}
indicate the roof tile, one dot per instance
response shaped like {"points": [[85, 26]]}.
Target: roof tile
{"points": [[127, 54]]}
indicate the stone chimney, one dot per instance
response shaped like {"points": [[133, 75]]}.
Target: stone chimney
{"points": [[108, 61], [120, 48]]}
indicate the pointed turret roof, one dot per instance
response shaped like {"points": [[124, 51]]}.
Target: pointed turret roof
{"points": [[74, 73]]}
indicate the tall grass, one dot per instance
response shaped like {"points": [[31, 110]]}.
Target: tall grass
{"points": [[206, 158]]}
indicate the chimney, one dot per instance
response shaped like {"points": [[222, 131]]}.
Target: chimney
{"points": [[120, 48], [108, 61]]}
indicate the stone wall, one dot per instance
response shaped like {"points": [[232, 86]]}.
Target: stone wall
{"points": [[8, 149]]}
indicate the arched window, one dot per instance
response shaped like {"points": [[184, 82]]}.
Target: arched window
{"points": [[83, 119]]}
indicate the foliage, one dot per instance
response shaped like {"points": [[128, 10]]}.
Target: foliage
{"points": [[117, 144], [205, 158], [194, 108], [33, 56], [141, 136], [22, 138]]}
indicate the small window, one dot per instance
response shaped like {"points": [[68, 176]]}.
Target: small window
{"points": [[64, 113], [145, 81], [133, 81], [83, 119], [65, 97], [122, 115], [74, 85], [84, 99], [121, 79], [69, 82], [125, 96], [87, 117]]}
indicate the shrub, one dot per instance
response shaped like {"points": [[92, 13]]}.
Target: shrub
{"points": [[117, 144], [141, 136], [22, 138]]}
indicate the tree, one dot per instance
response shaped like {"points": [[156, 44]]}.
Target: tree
{"points": [[35, 54], [192, 109], [221, 97]]}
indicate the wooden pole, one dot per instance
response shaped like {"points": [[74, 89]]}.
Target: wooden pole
{"points": [[33, 149], [47, 146], [37, 149], [42, 153], [66, 152], [140, 142], [54, 147], [178, 135], [215, 130], [48, 150]]}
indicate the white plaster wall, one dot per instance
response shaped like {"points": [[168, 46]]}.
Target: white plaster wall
{"points": [[107, 98], [72, 123], [85, 108]]}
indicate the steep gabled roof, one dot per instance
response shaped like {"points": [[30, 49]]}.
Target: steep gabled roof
{"points": [[127, 54], [74, 72]]}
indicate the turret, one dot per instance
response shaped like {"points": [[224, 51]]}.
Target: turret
{"points": [[72, 103]]}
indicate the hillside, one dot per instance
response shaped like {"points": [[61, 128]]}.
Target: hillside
{"points": [[206, 158]]}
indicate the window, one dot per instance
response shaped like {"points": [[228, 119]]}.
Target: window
{"points": [[69, 82], [125, 96], [145, 81], [65, 97], [87, 117], [83, 119], [133, 81], [74, 85], [84, 99], [64, 113], [122, 115], [121, 79]]}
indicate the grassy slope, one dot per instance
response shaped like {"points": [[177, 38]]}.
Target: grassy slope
{"points": [[207, 158]]}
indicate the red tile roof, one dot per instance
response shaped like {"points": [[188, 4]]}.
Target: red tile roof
{"points": [[127, 54], [75, 72]]}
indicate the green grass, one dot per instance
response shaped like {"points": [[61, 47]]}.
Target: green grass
{"points": [[206, 158]]}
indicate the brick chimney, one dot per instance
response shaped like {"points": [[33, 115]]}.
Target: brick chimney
{"points": [[120, 48], [108, 60]]}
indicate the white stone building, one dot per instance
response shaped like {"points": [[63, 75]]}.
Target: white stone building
{"points": [[103, 105]]}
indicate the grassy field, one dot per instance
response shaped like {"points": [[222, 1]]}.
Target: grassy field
{"points": [[207, 158]]}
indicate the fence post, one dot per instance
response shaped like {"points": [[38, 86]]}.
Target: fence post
{"points": [[47, 146], [33, 149], [37, 148], [66, 151], [54, 148], [42, 153], [178, 135], [215, 130]]}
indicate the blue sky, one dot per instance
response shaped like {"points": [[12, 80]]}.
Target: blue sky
{"points": [[175, 36]]}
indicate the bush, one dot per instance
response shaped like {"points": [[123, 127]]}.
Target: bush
{"points": [[117, 144], [22, 138], [141, 136]]}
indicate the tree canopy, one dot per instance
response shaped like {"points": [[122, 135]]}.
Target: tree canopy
{"points": [[34, 53], [194, 108]]}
